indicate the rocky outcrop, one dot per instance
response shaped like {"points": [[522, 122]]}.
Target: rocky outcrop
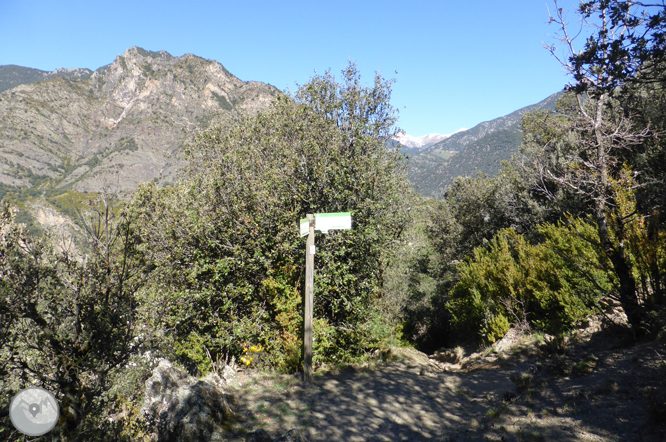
{"points": [[180, 408], [124, 124]]}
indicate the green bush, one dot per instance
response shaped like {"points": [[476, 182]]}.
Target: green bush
{"points": [[225, 247], [495, 328], [552, 285]]}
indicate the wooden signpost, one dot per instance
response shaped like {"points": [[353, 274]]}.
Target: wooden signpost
{"points": [[317, 223]]}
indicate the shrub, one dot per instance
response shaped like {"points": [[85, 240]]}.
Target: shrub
{"points": [[225, 245], [552, 285]]}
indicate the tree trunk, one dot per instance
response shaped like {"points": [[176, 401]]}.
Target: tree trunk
{"points": [[618, 257]]}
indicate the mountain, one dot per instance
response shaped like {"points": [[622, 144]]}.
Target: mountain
{"points": [[420, 142], [12, 76], [481, 148], [413, 145], [121, 125]]}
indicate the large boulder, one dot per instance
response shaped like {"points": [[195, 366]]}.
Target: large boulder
{"points": [[181, 408]]}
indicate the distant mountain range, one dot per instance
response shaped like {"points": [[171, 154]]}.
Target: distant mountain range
{"points": [[481, 148], [12, 76], [72, 131], [422, 142]]}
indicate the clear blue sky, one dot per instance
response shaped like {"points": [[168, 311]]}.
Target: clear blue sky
{"points": [[458, 62]]}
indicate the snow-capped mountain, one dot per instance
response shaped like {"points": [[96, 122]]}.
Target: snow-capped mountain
{"points": [[424, 141]]}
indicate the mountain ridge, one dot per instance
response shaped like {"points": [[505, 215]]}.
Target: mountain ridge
{"points": [[126, 123], [13, 75], [421, 142], [122, 124], [481, 148]]}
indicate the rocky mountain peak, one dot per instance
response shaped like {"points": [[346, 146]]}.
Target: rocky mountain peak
{"points": [[123, 124]]}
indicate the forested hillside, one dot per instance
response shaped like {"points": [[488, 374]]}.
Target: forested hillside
{"points": [[210, 269], [480, 149]]}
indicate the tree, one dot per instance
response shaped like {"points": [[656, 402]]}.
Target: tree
{"points": [[68, 320], [581, 150], [629, 45], [230, 256]]}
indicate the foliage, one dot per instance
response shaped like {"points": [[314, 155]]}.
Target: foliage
{"points": [[645, 243], [598, 132], [409, 282], [627, 46], [229, 259], [471, 213], [552, 285], [68, 320]]}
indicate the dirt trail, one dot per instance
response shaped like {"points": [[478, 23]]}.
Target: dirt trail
{"points": [[574, 397]]}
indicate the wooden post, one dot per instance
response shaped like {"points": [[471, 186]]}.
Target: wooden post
{"points": [[307, 310]]}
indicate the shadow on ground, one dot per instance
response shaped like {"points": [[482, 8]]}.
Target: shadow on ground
{"points": [[519, 396]]}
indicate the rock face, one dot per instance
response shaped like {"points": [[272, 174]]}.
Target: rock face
{"points": [[180, 408], [121, 125]]}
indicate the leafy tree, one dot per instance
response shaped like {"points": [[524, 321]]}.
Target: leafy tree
{"points": [[583, 149], [68, 320], [230, 259]]}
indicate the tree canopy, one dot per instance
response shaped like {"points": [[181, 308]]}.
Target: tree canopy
{"points": [[230, 256]]}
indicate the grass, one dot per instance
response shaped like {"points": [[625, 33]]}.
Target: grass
{"points": [[496, 412], [585, 366]]}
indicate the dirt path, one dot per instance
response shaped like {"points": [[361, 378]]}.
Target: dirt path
{"points": [[520, 394]]}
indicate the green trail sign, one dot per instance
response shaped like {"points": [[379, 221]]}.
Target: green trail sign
{"points": [[317, 223]]}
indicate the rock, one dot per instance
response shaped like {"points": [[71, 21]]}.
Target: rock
{"points": [[507, 340], [229, 374], [120, 126], [181, 408], [258, 436], [289, 436], [452, 356], [292, 436]]}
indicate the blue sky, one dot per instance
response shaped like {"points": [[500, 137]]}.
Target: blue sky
{"points": [[458, 63]]}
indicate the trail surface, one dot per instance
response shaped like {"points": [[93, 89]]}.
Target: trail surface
{"points": [[517, 394]]}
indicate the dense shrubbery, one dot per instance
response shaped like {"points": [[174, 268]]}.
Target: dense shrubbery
{"points": [[552, 285], [229, 259], [67, 322]]}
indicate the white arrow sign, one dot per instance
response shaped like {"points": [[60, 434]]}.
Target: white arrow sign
{"points": [[327, 221]]}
